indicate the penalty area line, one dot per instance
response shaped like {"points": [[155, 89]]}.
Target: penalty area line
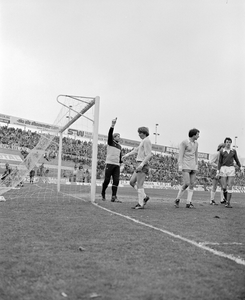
{"points": [[202, 246]]}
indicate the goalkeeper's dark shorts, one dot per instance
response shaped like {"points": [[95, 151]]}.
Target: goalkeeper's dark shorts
{"points": [[112, 171]]}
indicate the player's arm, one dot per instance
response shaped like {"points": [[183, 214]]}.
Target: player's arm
{"points": [[196, 157], [181, 155], [121, 162], [238, 162], [135, 150], [219, 161], [110, 134]]}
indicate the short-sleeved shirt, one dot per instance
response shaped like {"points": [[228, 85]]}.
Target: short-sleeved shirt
{"points": [[144, 149], [188, 154]]}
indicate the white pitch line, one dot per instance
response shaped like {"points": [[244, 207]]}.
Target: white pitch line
{"points": [[219, 244], [238, 260]]}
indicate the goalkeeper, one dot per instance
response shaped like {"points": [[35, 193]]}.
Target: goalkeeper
{"points": [[113, 162]]}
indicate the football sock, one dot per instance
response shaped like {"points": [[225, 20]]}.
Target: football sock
{"points": [[212, 195], [180, 193], [189, 196], [228, 198], [141, 196], [221, 195]]}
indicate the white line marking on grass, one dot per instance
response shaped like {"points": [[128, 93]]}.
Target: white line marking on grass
{"points": [[238, 260], [221, 244]]}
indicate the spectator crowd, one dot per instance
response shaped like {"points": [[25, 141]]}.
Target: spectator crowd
{"points": [[163, 168]]}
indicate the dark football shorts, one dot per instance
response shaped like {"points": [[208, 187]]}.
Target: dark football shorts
{"points": [[145, 168]]}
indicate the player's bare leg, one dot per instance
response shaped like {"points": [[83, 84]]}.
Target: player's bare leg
{"points": [[223, 182], [213, 191], [230, 182], [186, 183], [190, 190]]}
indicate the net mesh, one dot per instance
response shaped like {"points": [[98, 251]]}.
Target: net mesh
{"points": [[37, 175]]}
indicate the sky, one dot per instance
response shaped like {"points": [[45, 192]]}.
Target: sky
{"points": [[176, 63]]}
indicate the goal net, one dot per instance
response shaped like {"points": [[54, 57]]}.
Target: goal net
{"points": [[62, 165]]}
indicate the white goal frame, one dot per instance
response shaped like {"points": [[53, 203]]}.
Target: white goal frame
{"points": [[96, 103]]}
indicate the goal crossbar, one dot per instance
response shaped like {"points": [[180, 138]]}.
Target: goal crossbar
{"points": [[79, 114]]}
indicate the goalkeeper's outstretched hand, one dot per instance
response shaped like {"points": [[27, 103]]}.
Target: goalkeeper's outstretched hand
{"points": [[113, 122]]}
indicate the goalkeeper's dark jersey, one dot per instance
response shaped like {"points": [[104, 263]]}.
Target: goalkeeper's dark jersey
{"points": [[114, 154]]}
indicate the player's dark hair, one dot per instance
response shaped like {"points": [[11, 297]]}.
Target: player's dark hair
{"points": [[193, 132], [227, 139], [144, 130]]}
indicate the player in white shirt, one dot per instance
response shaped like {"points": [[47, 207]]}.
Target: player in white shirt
{"points": [[188, 164], [142, 169]]}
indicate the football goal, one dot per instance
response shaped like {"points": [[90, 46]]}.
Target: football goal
{"points": [[63, 162], [85, 156]]}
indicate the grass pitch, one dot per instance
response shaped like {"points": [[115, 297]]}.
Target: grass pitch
{"points": [[55, 246]]}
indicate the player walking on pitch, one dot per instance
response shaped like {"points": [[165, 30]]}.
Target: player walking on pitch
{"points": [[142, 168], [188, 164], [113, 161], [216, 177], [226, 169]]}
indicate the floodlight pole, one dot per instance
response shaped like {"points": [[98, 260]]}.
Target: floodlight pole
{"points": [[235, 142], [156, 134]]}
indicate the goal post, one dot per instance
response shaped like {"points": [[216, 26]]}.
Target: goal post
{"points": [[95, 148], [95, 127]]}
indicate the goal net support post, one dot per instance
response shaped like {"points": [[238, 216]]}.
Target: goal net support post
{"points": [[96, 103]]}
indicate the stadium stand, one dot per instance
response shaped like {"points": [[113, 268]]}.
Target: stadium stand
{"points": [[15, 142]]}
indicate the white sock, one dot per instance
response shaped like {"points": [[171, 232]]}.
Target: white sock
{"points": [[221, 195], [180, 193], [212, 195], [189, 196], [141, 196]]}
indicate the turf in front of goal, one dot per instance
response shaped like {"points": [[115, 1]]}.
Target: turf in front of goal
{"points": [[77, 250]]}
